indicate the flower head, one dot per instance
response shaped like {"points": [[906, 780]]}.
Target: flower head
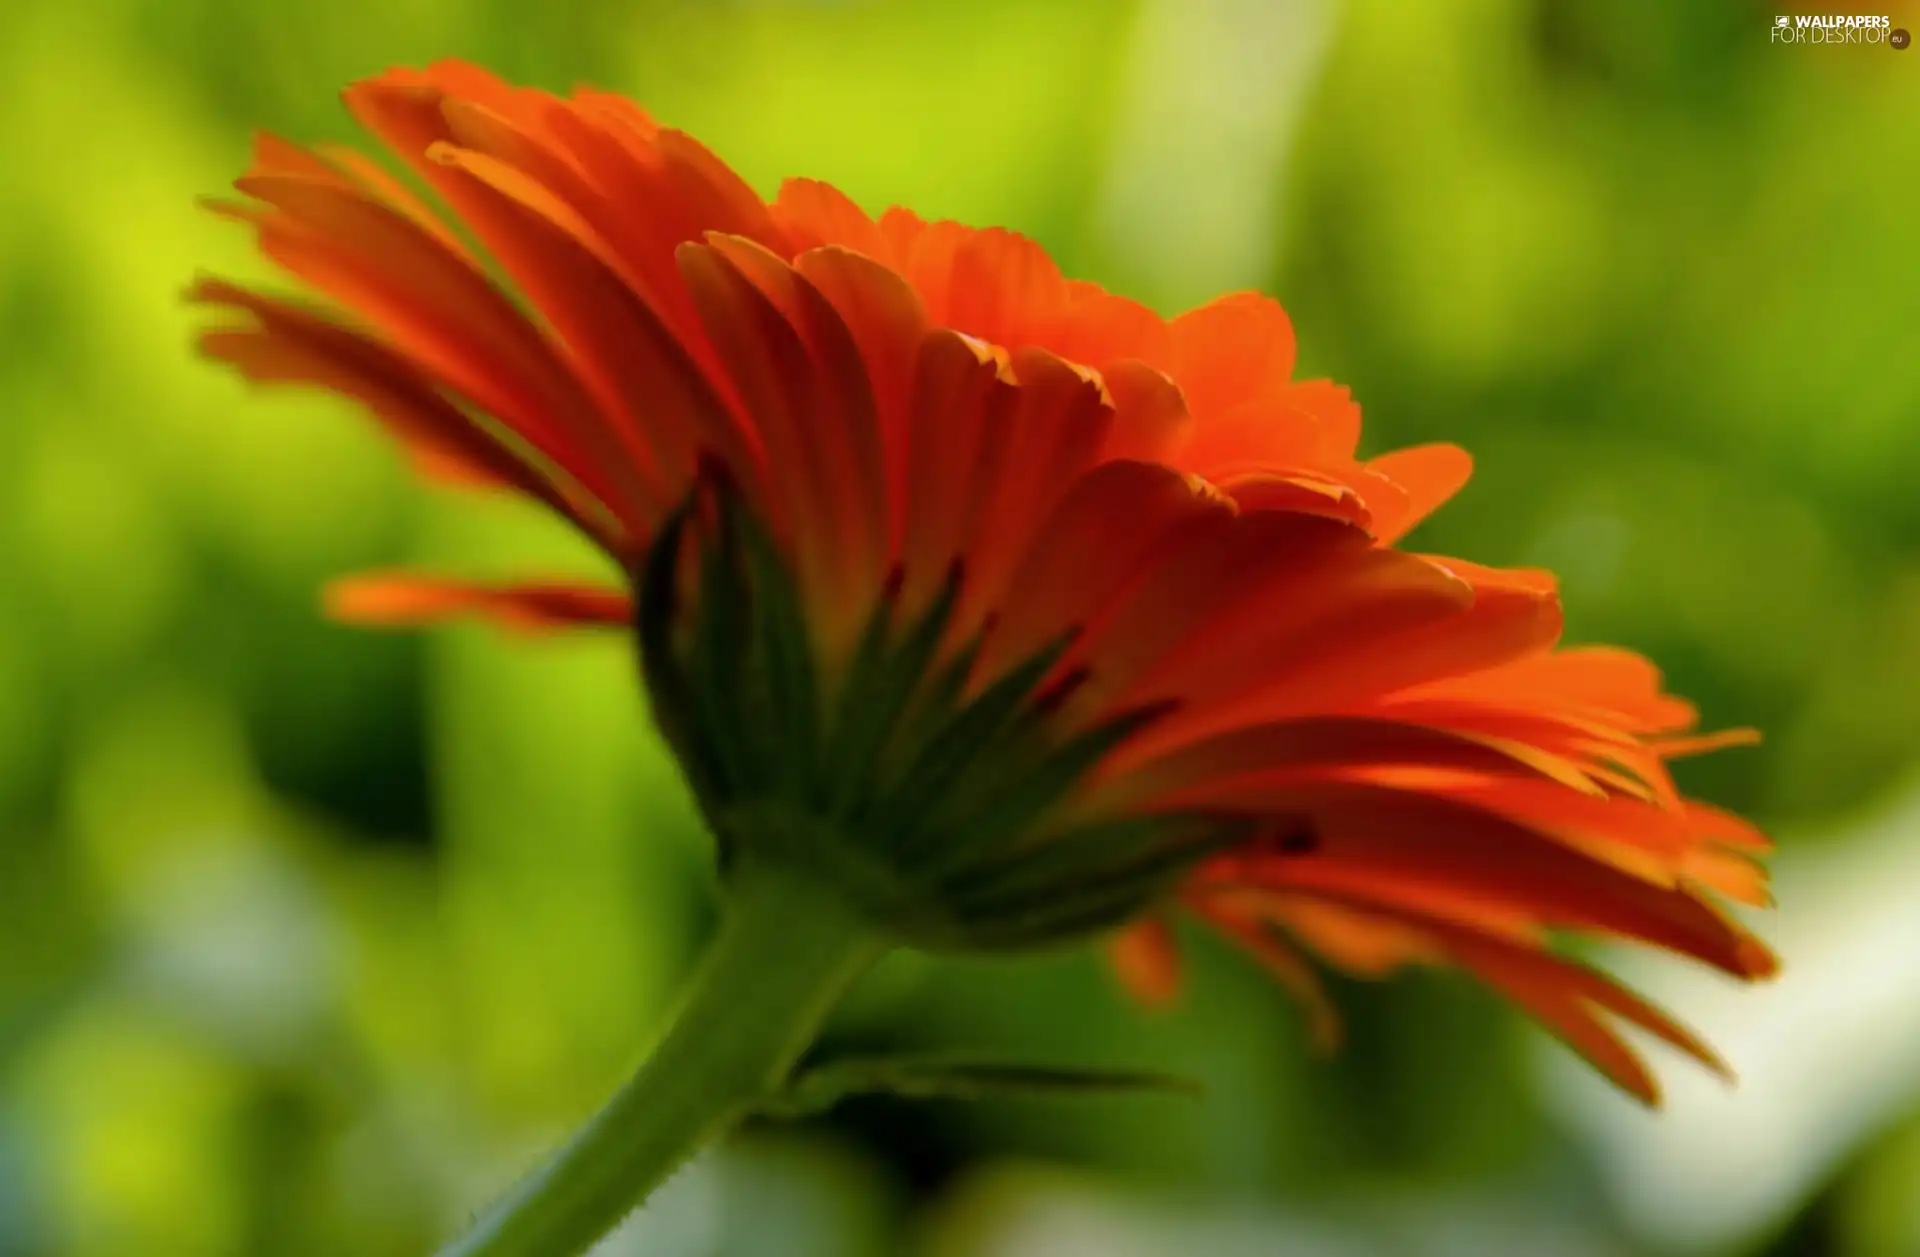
{"points": [[1010, 608]]}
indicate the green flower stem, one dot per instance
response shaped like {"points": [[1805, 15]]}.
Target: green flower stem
{"points": [[786, 950]]}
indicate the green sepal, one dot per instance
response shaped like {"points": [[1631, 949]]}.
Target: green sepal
{"points": [[923, 791], [961, 1077], [975, 732], [732, 676], [781, 647], [721, 667], [879, 691], [1093, 878], [1008, 790], [675, 711]]}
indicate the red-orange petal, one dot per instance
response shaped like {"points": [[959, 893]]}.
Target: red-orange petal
{"points": [[1430, 474], [1231, 350], [407, 598], [1377, 844], [1146, 958]]}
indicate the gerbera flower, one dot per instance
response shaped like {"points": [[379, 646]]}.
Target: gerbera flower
{"points": [[991, 602]]}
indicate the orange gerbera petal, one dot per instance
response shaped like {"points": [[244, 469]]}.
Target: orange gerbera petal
{"points": [[830, 506], [1370, 944], [284, 344], [1064, 613], [1233, 350], [1566, 997], [812, 214], [1146, 957], [1376, 844], [1104, 527], [405, 598], [884, 317], [1430, 474]]}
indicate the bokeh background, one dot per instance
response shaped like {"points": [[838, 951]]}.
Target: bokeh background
{"points": [[311, 939]]}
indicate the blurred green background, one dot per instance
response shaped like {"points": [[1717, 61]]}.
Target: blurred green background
{"points": [[311, 938]]}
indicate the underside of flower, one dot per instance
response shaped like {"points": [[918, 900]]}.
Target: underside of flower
{"points": [[894, 775]]}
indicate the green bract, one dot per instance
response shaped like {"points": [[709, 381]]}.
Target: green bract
{"points": [[926, 800]]}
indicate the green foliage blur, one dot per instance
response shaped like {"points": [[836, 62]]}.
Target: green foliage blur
{"points": [[313, 938]]}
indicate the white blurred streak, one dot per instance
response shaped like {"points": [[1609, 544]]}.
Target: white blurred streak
{"points": [[1211, 94], [1031, 1217], [1063, 1229], [1013, 1212], [1826, 1055]]}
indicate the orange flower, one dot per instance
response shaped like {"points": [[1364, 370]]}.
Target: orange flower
{"points": [[1025, 612]]}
